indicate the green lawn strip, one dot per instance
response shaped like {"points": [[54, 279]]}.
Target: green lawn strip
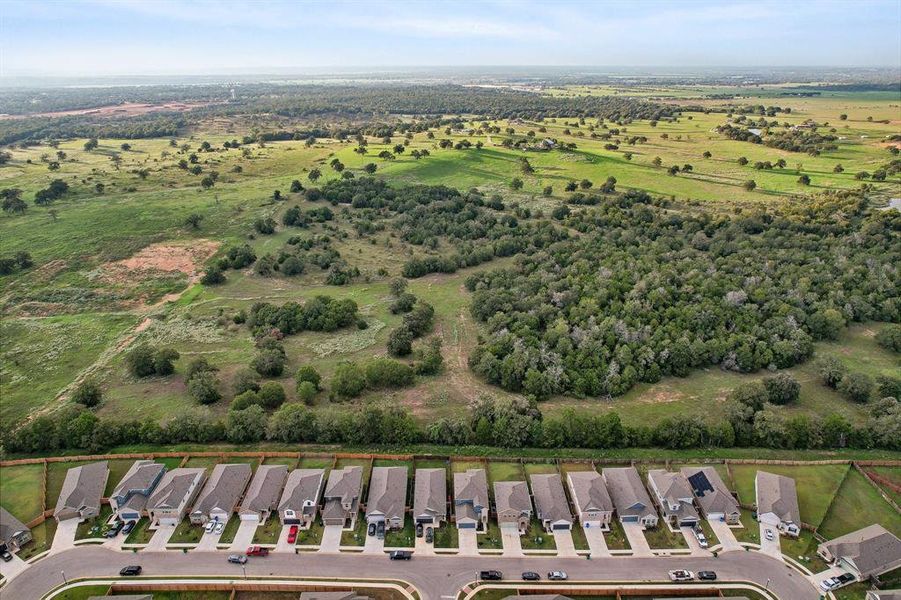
{"points": [[356, 536], [537, 468], [82, 592], [404, 537], [804, 550], [291, 463], [142, 533], [750, 533], [312, 462], [712, 540], [231, 528], [616, 538], [816, 485], [460, 466], [661, 537], [203, 462], [268, 532], [186, 533], [537, 538], [579, 540], [311, 536], [171, 463], [491, 539], [893, 474], [447, 536], [117, 470], [20, 491], [504, 471], [96, 527], [42, 539], [858, 504]]}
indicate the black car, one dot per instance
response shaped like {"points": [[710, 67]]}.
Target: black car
{"points": [[490, 575], [706, 575], [113, 531], [6, 556], [128, 527], [130, 571], [372, 529], [846, 578], [419, 530], [380, 530], [531, 576], [429, 535], [401, 555]]}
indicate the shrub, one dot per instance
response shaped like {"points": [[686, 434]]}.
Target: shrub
{"points": [[889, 337], [88, 393], [856, 386], [400, 342], [782, 389], [384, 372], [832, 371], [306, 392], [198, 365], [271, 395], [245, 380], [308, 374], [269, 363], [204, 387], [348, 380]]}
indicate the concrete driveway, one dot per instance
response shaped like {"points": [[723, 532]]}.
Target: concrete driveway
{"points": [[209, 541], [373, 545], [771, 547], [282, 544], [12, 568], [596, 542], [693, 544], [423, 548], [160, 538], [639, 543], [468, 542], [244, 536], [564, 540], [725, 536], [331, 539], [65, 536], [511, 540]]}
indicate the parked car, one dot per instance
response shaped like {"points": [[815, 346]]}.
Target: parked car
{"points": [[707, 575], [490, 575], [238, 559], [681, 575], [380, 530], [769, 534], [400, 555], [372, 529], [6, 556], [531, 576], [557, 576], [130, 571], [292, 534], [846, 578], [128, 527], [257, 551], [419, 530], [219, 527], [702, 539], [829, 584], [209, 526], [429, 535]]}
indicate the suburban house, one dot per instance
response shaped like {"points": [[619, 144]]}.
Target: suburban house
{"points": [[633, 505], [589, 493], [551, 505], [129, 499], [13, 533], [342, 496], [471, 500], [866, 553], [884, 595], [777, 502], [430, 497], [169, 501], [300, 498], [81, 493], [513, 504], [220, 495], [716, 501], [673, 494], [263, 493], [387, 501]]}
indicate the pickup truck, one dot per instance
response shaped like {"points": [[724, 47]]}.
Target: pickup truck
{"points": [[257, 551], [490, 575]]}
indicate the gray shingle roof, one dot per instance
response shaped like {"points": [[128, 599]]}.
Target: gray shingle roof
{"points": [[628, 492], [9, 526], [265, 489], [82, 488], [140, 476], [512, 496], [430, 493], [872, 550], [550, 498], [302, 486], [590, 491], [709, 489], [777, 494], [344, 484], [470, 491], [388, 492], [170, 492], [223, 488], [675, 491]]}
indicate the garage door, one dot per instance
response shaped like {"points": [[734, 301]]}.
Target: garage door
{"points": [[466, 526], [560, 526], [630, 519], [291, 521]]}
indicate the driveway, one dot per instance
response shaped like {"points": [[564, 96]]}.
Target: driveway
{"points": [[468, 542], [65, 536], [244, 536], [725, 535], [771, 547], [511, 540], [423, 548], [209, 541], [596, 542], [817, 578], [160, 538], [12, 568], [636, 538], [693, 544], [373, 545], [564, 540], [282, 544], [331, 539]]}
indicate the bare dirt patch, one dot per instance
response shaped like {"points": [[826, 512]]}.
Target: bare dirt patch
{"points": [[664, 397], [167, 258], [126, 109]]}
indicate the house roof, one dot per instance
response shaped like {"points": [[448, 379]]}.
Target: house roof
{"points": [[140, 476], [512, 496], [777, 494], [471, 486], [872, 550], [303, 486], [884, 595], [673, 489], [550, 499], [589, 491], [344, 484], [628, 492], [265, 489], [709, 489], [387, 492], [174, 487], [9, 526], [223, 488], [430, 493], [83, 487]]}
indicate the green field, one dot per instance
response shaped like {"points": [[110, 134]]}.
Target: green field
{"points": [[20, 491], [856, 505]]}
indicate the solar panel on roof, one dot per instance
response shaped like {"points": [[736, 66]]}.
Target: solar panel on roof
{"points": [[700, 484]]}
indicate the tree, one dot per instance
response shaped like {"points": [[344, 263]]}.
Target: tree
{"points": [[269, 363], [163, 361], [400, 342], [204, 387], [246, 426], [197, 366], [843, 117], [207, 182], [213, 276], [804, 180], [742, 160], [140, 361], [856, 386], [782, 389], [91, 144], [87, 393], [889, 337], [750, 185], [14, 205], [314, 175], [296, 186], [308, 374], [306, 392], [547, 191], [245, 380], [838, 168], [348, 380], [707, 154], [831, 370], [125, 147], [585, 184], [271, 395], [293, 423], [826, 324], [370, 168], [193, 220], [516, 184]]}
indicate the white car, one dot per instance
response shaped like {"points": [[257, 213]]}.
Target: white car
{"points": [[702, 539], [557, 576], [681, 575], [219, 527], [769, 534], [829, 584], [209, 526]]}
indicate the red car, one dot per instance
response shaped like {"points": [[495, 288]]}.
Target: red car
{"points": [[292, 534], [257, 551]]}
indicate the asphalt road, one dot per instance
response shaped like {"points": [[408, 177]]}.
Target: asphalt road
{"points": [[434, 577]]}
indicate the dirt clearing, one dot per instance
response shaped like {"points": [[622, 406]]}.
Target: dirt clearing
{"points": [[164, 257]]}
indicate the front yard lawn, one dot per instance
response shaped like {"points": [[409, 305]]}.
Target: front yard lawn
{"points": [[268, 532], [616, 538], [186, 533], [402, 538], [141, 534], [311, 536], [491, 539], [661, 538], [357, 536], [447, 536], [750, 533], [804, 550], [537, 538], [231, 528], [96, 527], [579, 540], [43, 539]]}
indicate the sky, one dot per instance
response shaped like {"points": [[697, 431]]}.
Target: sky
{"points": [[160, 37]]}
